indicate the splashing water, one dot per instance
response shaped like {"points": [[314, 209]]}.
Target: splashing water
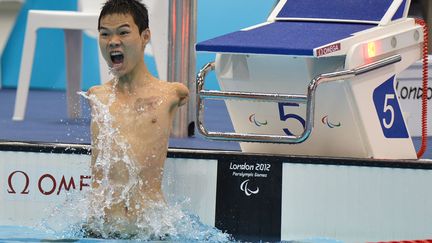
{"points": [[153, 220]]}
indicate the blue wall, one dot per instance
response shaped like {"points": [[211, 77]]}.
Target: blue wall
{"points": [[214, 18]]}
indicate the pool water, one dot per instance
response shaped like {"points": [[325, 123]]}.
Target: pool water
{"points": [[9, 234], [187, 229], [31, 234]]}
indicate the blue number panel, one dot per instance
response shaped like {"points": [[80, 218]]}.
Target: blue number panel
{"points": [[388, 110]]}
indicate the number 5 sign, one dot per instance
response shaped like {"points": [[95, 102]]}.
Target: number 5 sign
{"points": [[388, 110]]}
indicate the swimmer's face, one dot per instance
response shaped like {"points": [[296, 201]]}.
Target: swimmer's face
{"points": [[121, 44]]}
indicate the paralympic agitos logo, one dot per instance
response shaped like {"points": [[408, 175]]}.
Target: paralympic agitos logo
{"points": [[253, 120], [326, 121], [244, 186]]}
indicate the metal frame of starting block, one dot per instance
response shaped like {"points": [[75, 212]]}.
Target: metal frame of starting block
{"points": [[350, 49]]}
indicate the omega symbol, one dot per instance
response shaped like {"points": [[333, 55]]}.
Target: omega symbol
{"points": [[11, 190]]}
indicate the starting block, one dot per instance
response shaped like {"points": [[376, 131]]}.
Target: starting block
{"points": [[324, 73]]}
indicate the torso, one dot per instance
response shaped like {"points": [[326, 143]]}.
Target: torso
{"points": [[143, 122]]}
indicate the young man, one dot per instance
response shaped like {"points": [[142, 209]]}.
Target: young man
{"points": [[131, 121]]}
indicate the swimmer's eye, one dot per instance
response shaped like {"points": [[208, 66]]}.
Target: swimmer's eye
{"points": [[103, 34], [124, 32]]}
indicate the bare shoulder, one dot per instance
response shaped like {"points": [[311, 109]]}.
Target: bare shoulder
{"points": [[100, 89], [181, 91], [99, 92], [95, 90]]}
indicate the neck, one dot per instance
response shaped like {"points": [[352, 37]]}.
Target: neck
{"points": [[138, 77]]}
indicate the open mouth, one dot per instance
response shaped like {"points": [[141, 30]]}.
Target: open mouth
{"points": [[116, 58]]}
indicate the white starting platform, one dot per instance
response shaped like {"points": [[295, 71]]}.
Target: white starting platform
{"points": [[324, 72]]}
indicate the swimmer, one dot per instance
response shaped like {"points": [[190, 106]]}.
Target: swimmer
{"points": [[142, 109]]}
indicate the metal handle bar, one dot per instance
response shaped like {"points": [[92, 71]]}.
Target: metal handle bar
{"points": [[309, 99]]}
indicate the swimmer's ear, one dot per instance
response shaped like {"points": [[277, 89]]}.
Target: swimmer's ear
{"points": [[145, 36]]}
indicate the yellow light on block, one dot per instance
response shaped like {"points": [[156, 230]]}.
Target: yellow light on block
{"points": [[371, 49]]}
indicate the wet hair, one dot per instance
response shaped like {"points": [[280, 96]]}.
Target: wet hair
{"points": [[135, 8]]}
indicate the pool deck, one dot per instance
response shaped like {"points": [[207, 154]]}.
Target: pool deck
{"points": [[46, 122]]}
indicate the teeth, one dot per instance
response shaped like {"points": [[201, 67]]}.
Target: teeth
{"points": [[116, 53]]}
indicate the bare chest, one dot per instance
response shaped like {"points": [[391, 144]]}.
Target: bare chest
{"points": [[142, 114]]}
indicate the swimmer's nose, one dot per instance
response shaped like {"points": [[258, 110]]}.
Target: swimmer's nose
{"points": [[114, 43]]}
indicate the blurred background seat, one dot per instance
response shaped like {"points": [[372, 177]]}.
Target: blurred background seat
{"points": [[73, 23], [8, 12]]}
